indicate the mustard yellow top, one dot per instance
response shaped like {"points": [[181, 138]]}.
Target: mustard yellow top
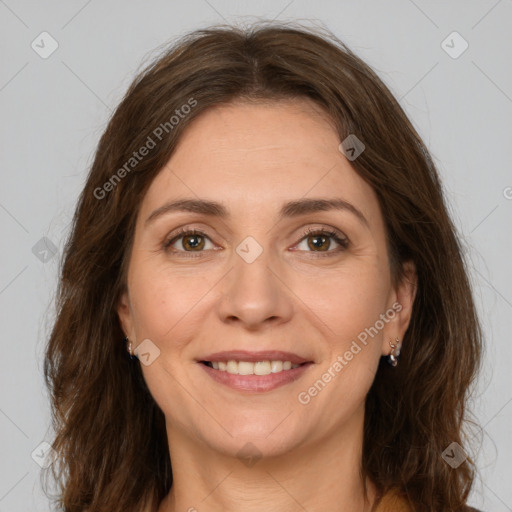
{"points": [[393, 502]]}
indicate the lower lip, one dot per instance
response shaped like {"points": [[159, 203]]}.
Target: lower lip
{"points": [[256, 383]]}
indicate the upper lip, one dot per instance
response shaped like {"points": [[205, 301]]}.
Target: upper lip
{"points": [[254, 357]]}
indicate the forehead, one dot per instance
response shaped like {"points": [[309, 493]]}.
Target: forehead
{"points": [[254, 154], [259, 134]]}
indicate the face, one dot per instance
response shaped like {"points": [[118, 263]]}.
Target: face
{"points": [[275, 278]]}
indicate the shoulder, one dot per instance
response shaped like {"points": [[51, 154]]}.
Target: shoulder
{"points": [[393, 501]]}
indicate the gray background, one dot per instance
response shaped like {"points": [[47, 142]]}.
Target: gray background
{"points": [[54, 110]]}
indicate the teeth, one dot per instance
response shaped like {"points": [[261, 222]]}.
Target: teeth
{"points": [[248, 368], [276, 366]]}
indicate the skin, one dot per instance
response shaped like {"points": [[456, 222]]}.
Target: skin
{"points": [[253, 157]]}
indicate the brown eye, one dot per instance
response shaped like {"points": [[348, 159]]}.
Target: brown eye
{"points": [[191, 241], [321, 241]]}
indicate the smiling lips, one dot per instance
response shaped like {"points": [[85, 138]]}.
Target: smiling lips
{"points": [[254, 371], [248, 368]]}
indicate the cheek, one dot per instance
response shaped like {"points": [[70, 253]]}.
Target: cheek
{"points": [[349, 304], [347, 300], [357, 298], [166, 303], [172, 303]]}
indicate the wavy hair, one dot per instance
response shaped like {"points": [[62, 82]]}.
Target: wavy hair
{"points": [[110, 437]]}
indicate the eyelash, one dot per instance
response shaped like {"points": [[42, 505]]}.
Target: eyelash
{"points": [[182, 232]]}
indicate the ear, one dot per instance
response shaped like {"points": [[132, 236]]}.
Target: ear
{"points": [[124, 312], [401, 302]]}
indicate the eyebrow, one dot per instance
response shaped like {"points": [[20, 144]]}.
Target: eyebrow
{"points": [[288, 210]]}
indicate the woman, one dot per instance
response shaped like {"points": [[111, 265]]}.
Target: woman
{"points": [[263, 303]]}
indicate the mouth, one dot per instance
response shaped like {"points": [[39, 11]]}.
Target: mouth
{"points": [[254, 371], [249, 368]]}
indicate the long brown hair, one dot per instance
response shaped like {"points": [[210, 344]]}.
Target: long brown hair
{"points": [[111, 444]]}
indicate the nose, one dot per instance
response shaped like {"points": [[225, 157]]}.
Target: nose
{"points": [[254, 294]]}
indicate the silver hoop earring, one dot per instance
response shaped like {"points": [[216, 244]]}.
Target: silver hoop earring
{"points": [[395, 352], [129, 343]]}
